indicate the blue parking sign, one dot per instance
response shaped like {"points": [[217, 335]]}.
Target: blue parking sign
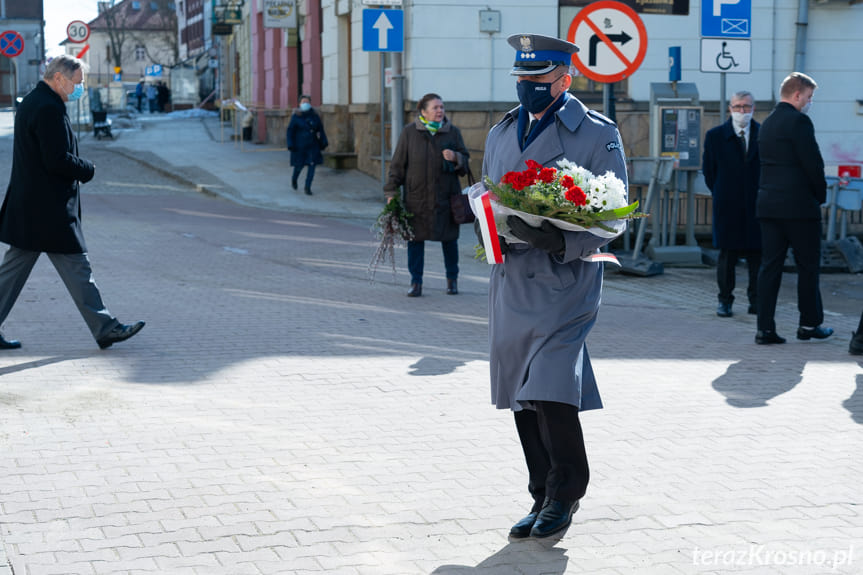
{"points": [[383, 30], [726, 18]]}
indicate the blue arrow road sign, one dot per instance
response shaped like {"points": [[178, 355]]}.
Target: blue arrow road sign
{"points": [[726, 18], [383, 30]]}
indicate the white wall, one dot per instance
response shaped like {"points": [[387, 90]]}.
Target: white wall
{"points": [[446, 53], [833, 52]]}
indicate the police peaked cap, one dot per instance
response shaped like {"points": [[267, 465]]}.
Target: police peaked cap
{"points": [[536, 54]]}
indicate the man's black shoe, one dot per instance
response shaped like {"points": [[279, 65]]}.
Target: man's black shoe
{"points": [[120, 333], [522, 529], [724, 310], [815, 332], [451, 287], [9, 343], [416, 290], [854, 348], [767, 337], [554, 517]]}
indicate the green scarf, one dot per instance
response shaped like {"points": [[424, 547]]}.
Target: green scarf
{"points": [[432, 127]]}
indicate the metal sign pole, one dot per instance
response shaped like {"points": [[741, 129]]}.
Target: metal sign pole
{"points": [[383, 126], [722, 97], [79, 119]]}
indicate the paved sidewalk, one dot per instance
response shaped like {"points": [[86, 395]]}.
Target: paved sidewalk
{"points": [[200, 151], [280, 414]]}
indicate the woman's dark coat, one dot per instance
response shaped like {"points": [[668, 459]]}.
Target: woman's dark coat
{"points": [[733, 181], [428, 179], [301, 139], [42, 208]]}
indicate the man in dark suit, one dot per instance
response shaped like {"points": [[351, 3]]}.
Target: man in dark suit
{"points": [[42, 208], [731, 168], [790, 195]]}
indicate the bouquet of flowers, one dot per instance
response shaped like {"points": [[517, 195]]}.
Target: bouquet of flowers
{"points": [[392, 226], [569, 196]]}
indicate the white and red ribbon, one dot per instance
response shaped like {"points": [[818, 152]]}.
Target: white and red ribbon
{"points": [[481, 204], [606, 257]]}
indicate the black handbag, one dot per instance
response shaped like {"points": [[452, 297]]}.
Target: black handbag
{"points": [[459, 204]]}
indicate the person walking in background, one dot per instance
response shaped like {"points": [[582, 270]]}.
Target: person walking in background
{"points": [[42, 208], [139, 94], [791, 191], [428, 160], [731, 166], [152, 97], [306, 139], [544, 299]]}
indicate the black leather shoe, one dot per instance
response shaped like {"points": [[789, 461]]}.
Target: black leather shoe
{"points": [[308, 191], [451, 287], [294, 184], [854, 348], [9, 343], [120, 333], [724, 310], [817, 333], [416, 290], [554, 517], [768, 337], [522, 529]]}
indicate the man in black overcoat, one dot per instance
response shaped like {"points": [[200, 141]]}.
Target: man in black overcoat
{"points": [[42, 208], [790, 195], [731, 167]]}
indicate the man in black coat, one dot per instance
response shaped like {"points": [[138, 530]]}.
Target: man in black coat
{"points": [[731, 168], [790, 195], [42, 208]]}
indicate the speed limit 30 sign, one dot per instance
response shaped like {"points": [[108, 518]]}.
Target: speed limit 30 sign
{"points": [[611, 38], [77, 31]]}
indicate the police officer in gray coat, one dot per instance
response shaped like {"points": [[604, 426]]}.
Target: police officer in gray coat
{"points": [[543, 300]]}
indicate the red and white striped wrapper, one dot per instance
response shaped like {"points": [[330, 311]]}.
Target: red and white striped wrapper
{"points": [[481, 205]]}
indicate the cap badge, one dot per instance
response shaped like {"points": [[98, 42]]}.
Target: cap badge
{"points": [[526, 44]]}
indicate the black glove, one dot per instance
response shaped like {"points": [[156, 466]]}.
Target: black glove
{"points": [[546, 237], [504, 247]]}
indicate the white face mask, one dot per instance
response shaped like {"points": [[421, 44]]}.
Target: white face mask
{"points": [[741, 119]]}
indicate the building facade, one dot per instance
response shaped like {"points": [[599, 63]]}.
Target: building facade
{"points": [[19, 74], [451, 50]]}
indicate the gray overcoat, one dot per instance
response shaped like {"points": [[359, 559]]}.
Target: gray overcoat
{"points": [[541, 308]]}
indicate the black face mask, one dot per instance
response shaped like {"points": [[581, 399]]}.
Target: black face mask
{"points": [[535, 96]]}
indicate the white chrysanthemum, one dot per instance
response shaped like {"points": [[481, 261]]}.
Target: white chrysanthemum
{"points": [[578, 174]]}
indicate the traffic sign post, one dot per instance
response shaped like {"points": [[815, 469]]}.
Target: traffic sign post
{"points": [[720, 55], [726, 18], [612, 41], [383, 30], [11, 43], [78, 32]]}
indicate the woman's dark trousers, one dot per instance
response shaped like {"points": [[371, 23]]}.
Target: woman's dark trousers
{"points": [[416, 260], [310, 174]]}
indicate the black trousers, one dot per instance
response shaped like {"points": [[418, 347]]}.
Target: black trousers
{"points": [[553, 446], [726, 274], [804, 237]]}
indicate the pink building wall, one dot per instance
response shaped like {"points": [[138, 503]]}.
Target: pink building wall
{"points": [[275, 69]]}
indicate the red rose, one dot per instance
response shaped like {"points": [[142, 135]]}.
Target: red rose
{"points": [[546, 175], [576, 195], [567, 181], [529, 177], [533, 165]]}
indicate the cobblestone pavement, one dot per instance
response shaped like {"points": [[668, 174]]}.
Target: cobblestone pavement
{"points": [[281, 414]]}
